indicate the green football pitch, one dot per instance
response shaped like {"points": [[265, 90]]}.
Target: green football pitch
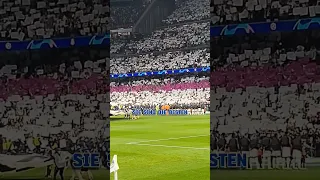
{"points": [[162, 147]]}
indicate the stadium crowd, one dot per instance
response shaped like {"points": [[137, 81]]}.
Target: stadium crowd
{"points": [[169, 38], [176, 91], [188, 11], [164, 61], [228, 12], [57, 99], [266, 87], [259, 50], [182, 43], [25, 20], [54, 99]]}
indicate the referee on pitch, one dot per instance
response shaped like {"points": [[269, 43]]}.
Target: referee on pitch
{"points": [[60, 164]]}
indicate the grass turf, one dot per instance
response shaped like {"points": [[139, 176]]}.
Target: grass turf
{"points": [[166, 155]]}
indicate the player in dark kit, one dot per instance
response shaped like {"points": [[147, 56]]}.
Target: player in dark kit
{"points": [[286, 150], [266, 146], [296, 152], [245, 144], [87, 170], [233, 144], [214, 142], [1, 144], [276, 151], [222, 142]]}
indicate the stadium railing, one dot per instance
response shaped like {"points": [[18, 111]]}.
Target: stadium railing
{"points": [[162, 72], [68, 42], [265, 27]]}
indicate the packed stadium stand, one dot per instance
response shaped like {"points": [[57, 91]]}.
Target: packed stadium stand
{"points": [[188, 11], [59, 97], [267, 84], [170, 60], [180, 42], [231, 12], [169, 38], [21, 20], [53, 99], [178, 92]]}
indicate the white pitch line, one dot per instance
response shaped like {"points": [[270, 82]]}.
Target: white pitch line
{"points": [[184, 137], [181, 147]]}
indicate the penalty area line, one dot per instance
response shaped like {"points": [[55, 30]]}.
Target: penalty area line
{"points": [[181, 147], [167, 139]]}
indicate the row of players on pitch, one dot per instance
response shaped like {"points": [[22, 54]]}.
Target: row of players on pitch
{"points": [[82, 145], [129, 114], [265, 150], [54, 150]]}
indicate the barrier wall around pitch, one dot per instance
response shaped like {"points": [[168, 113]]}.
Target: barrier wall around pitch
{"points": [[151, 112], [310, 162]]}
